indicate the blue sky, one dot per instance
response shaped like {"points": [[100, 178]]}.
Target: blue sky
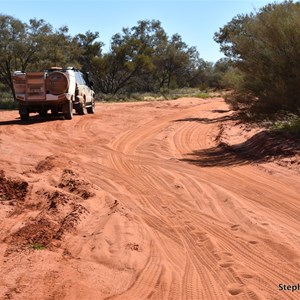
{"points": [[195, 20]]}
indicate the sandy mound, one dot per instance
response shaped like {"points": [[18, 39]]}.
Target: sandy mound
{"points": [[54, 210], [12, 189], [237, 144]]}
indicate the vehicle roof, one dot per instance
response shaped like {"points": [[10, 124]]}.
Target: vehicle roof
{"points": [[53, 69]]}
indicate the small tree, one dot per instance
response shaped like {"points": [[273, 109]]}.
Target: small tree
{"points": [[34, 46], [13, 35], [265, 47], [143, 58], [87, 48]]}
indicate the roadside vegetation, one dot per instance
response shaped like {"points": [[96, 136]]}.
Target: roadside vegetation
{"points": [[261, 66], [291, 125], [158, 96], [263, 51], [142, 59]]}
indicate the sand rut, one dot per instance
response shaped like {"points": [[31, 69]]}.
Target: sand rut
{"points": [[127, 204]]}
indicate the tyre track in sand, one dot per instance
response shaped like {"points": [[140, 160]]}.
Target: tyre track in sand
{"points": [[160, 227], [148, 175]]}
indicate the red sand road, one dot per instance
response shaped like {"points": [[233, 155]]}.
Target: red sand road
{"points": [[142, 201]]}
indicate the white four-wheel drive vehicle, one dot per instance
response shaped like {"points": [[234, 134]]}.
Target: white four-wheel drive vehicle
{"points": [[56, 89]]}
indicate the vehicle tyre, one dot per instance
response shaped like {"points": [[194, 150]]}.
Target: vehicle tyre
{"points": [[24, 113], [57, 83], [24, 117], [91, 109], [81, 110], [68, 110]]}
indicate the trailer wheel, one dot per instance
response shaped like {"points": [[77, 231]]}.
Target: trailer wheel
{"points": [[24, 113], [24, 117]]}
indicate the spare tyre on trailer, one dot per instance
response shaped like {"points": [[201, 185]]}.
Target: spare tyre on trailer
{"points": [[57, 83]]}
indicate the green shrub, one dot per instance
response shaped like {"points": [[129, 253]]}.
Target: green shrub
{"points": [[202, 95], [232, 79], [8, 104], [163, 95], [291, 126], [264, 46], [37, 246]]}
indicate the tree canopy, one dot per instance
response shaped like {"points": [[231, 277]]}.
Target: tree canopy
{"points": [[34, 46], [140, 59], [265, 48], [144, 58]]}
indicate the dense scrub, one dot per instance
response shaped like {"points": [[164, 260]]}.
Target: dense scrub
{"points": [[264, 50], [141, 59]]}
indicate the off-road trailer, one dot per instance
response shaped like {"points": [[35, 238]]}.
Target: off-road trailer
{"points": [[56, 89]]}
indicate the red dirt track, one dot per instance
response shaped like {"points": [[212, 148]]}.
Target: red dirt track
{"points": [[151, 200]]}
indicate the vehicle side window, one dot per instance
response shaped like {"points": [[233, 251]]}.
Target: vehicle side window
{"points": [[85, 78], [79, 78], [85, 81]]}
